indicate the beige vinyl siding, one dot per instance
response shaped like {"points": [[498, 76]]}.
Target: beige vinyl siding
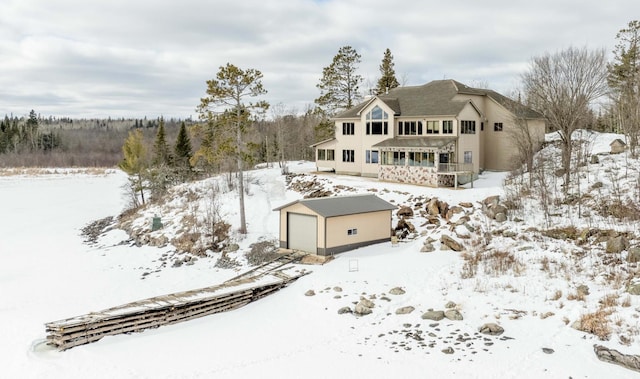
{"points": [[370, 226], [469, 142]]}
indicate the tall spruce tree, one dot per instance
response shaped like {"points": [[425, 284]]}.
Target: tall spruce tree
{"points": [[161, 150], [183, 150], [229, 91], [388, 78], [624, 80]]}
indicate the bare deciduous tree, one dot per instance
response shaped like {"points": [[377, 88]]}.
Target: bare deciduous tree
{"points": [[563, 86]]}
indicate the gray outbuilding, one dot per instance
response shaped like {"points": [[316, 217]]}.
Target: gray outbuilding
{"points": [[331, 225]]}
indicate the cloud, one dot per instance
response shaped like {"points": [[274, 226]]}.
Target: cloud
{"points": [[141, 57]]}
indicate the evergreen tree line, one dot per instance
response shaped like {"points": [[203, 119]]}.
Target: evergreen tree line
{"points": [[17, 136]]}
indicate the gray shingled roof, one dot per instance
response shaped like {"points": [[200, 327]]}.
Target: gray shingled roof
{"points": [[344, 205], [416, 142], [435, 99]]}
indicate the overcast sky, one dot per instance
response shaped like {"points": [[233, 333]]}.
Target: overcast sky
{"points": [[135, 58]]}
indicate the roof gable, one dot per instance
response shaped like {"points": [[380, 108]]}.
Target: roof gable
{"points": [[343, 205]]}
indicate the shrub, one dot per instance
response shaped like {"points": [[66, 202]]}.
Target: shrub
{"points": [[261, 252], [596, 323]]}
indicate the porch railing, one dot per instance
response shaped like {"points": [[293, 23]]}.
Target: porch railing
{"points": [[455, 167]]}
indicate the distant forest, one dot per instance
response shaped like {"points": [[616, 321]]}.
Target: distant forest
{"points": [[36, 141]]}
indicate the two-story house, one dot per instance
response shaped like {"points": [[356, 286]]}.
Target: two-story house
{"points": [[433, 135]]}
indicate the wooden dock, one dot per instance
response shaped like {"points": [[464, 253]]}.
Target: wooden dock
{"points": [[177, 307]]}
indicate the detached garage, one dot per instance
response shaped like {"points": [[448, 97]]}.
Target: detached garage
{"points": [[331, 225]]}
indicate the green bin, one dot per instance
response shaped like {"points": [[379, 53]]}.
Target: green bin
{"points": [[156, 224]]}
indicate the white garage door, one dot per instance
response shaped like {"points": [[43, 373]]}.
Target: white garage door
{"points": [[303, 232]]}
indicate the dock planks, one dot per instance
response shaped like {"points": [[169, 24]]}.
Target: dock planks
{"points": [[173, 308]]}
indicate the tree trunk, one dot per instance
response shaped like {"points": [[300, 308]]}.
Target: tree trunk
{"points": [[566, 163], [243, 222]]}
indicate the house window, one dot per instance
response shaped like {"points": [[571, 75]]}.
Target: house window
{"points": [[482, 126], [322, 155], [371, 156], [377, 121], [352, 232], [497, 127], [467, 127], [415, 159], [447, 127], [387, 158], [348, 128], [331, 155], [348, 156], [399, 158], [410, 128], [433, 127], [468, 157], [428, 159]]}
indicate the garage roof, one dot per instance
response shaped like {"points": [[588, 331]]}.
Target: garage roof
{"points": [[343, 205]]}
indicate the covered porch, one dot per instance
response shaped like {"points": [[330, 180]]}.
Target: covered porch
{"points": [[429, 161]]}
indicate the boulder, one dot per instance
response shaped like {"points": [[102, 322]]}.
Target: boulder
{"points": [[491, 201], [634, 255], [451, 243], [433, 315], [310, 293], [453, 314], [427, 248], [448, 350], [582, 290], [367, 303], [364, 307], [344, 310], [454, 211], [404, 310], [634, 288], [397, 291], [450, 305], [491, 329], [405, 212], [466, 205], [432, 207], [500, 217], [616, 245]]}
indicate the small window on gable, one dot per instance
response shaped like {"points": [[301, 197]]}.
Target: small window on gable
{"points": [[377, 121], [352, 232], [497, 127]]}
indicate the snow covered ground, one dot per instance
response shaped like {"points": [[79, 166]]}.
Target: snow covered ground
{"points": [[47, 273]]}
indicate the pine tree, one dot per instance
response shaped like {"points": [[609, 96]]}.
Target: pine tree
{"points": [[230, 89], [134, 164], [388, 78], [339, 85], [161, 150]]}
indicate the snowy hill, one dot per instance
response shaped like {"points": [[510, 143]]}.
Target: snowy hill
{"points": [[539, 275]]}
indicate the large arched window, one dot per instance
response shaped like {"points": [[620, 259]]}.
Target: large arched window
{"points": [[377, 121]]}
